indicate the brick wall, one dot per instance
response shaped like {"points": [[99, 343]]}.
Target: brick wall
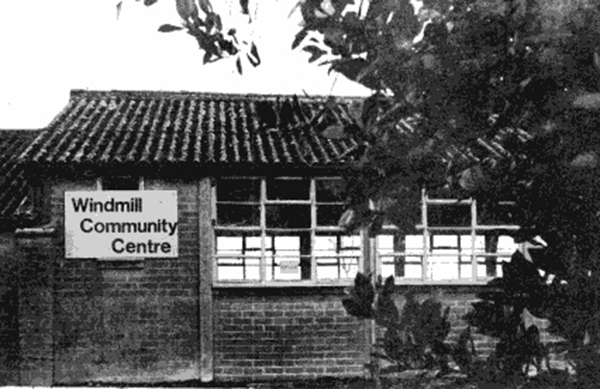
{"points": [[459, 299], [86, 320], [128, 321], [9, 300], [276, 333], [269, 334]]}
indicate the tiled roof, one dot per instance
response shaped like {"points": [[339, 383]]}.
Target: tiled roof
{"points": [[155, 130], [14, 189], [185, 129]]}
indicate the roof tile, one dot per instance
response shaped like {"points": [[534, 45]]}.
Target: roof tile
{"points": [[102, 128], [14, 188]]}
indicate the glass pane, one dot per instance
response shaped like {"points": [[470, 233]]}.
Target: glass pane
{"points": [[242, 189], [235, 215], [403, 267], [496, 214], [288, 216], [288, 257], [466, 243], [337, 256], [329, 215], [288, 189], [238, 257], [330, 190], [448, 215], [443, 267]]}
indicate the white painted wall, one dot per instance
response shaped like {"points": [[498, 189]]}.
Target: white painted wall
{"points": [[49, 47]]}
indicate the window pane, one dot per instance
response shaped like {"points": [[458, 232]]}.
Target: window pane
{"points": [[288, 257], [236, 215], [288, 216], [337, 256], [238, 257], [448, 215], [288, 189], [121, 183], [329, 215], [243, 189], [395, 251], [401, 266], [330, 190]]}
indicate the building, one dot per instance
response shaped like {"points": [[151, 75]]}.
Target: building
{"points": [[247, 281]]}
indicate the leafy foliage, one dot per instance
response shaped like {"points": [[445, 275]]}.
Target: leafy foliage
{"points": [[199, 20], [414, 337]]}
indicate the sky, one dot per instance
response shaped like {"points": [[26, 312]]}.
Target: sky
{"points": [[48, 48]]}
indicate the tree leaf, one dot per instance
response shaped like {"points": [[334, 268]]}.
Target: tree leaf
{"points": [[335, 131], [186, 9], [206, 6], [244, 6], [350, 68], [316, 52], [207, 57], [238, 65], [169, 28], [299, 37], [253, 56], [587, 101]]}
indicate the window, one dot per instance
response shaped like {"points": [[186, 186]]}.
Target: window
{"points": [[282, 229], [456, 241], [120, 183]]}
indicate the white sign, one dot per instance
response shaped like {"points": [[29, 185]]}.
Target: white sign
{"points": [[289, 267], [121, 224]]}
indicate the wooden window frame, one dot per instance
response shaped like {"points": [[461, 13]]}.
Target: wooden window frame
{"points": [[262, 231], [426, 231]]}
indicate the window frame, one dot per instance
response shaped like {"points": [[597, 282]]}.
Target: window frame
{"points": [[263, 230], [369, 258], [426, 231], [100, 182]]}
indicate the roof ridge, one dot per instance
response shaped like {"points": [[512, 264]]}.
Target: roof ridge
{"points": [[150, 94]]}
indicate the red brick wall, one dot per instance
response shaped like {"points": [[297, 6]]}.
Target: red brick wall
{"points": [[129, 322], [262, 334]]}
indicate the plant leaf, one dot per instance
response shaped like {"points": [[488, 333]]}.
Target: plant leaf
{"points": [[244, 5], [169, 28], [335, 131], [253, 57], [206, 6], [299, 37], [316, 52], [238, 64], [207, 56], [186, 9], [587, 101]]}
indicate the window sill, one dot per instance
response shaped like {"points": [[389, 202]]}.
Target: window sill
{"points": [[283, 284], [340, 283]]}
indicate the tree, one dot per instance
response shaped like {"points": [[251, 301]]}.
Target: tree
{"points": [[522, 74]]}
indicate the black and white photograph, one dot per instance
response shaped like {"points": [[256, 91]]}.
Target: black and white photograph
{"points": [[299, 194]]}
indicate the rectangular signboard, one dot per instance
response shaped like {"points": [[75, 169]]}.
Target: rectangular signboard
{"points": [[121, 224]]}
